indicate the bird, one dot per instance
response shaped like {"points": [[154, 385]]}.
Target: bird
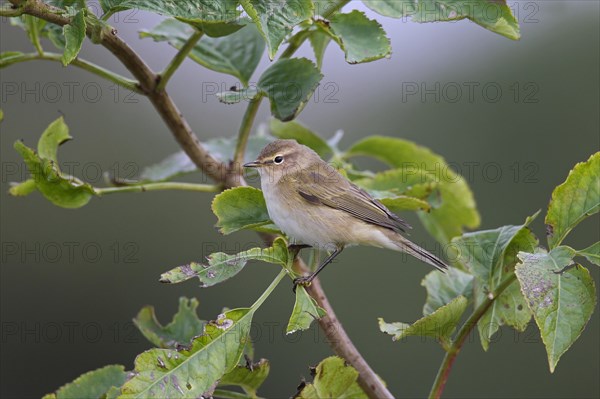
{"points": [[316, 206]]}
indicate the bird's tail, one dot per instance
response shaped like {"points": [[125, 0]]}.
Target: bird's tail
{"points": [[405, 245]]}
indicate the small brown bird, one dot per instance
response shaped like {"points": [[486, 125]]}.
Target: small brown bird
{"points": [[315, 205]]}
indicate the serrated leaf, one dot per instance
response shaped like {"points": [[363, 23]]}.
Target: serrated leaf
{"points": [[493, 15], [221, 266], [439, 325], [443, 288], [74, 33], [490, 255], [574, 200], [457, 208], [591, 253], [240, 208], [334, 378], [93, 384], [562, 303], [190, 372], [249, 377], [179, 332], [319, 41], [305, 312], [362, 39], [288, 84], [214, 18], [275, 20], [296, 131], [237, 54]]}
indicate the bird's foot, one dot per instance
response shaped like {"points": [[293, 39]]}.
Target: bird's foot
{"points": [[303, 281]]}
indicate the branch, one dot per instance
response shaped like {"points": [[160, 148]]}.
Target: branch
{"points": [[178, 59], [140, 188], [80, 63], [162, 102], [461, 336], [245, 129], [341, 343]]}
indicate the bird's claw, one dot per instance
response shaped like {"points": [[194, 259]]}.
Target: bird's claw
{"points": [[303, 281]]}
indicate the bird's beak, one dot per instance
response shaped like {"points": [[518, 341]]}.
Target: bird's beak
{"points": [[253, 164]]}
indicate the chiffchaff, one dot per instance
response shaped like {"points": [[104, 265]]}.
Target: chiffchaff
{"points": [[318, 207]]}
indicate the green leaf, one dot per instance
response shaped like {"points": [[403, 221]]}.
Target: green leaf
{"points": [[56, 133], [392, 8], [305, 311], [490, 255], [33, 26], [442, 288], [190, 372], [457, 209], [439, 325], [319, 41], [493, 15], [289, 83], [574, 200], [334, 378], [398, 203], [362, 39], [214, 18], [275, 20], [74, 34], [250, 377], [22, 189], [561, 303], [170, 167], [591, 253], [61, 189], [221, 266], [303, 135], [180, 331], [237, 54], [240, 208], [93, 384]]}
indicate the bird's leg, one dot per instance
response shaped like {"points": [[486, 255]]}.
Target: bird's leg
{"points": [[306, 281], [294, 249]]}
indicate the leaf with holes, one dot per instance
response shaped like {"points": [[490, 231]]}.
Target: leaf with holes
{"points": [[179, 332], [190, 372], [562, 303], [221, 266]]}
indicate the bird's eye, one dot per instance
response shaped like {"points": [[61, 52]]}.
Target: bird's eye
{"points": [[278, 159]]}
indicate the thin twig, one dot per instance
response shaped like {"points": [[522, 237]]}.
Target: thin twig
{"points": [[80, 63], [140, 188], [446, 366], [178, 59], [245, 129]]}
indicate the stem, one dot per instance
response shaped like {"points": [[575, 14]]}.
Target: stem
{"points": [[10, 11], [245, 128], [207, 188], [224, 394], [178, 59], [269, 289], [83, 64], [461, 336]]}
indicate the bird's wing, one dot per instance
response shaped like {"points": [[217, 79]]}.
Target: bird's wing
{"points": [[329, 188]]}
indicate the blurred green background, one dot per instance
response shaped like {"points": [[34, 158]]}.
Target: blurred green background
{"points": [[71, 281]]}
